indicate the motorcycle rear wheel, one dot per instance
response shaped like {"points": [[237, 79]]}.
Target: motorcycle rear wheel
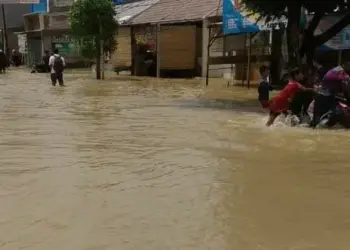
{"points": [[327, 122]]}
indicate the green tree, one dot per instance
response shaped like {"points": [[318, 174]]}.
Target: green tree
{"points": [[93, 21], [292, 9]]}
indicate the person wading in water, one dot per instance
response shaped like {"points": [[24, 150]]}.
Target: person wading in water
{"points": [[3, 62], [46, 60], [57, 65]]}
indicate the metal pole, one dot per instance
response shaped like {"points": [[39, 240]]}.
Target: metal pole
{"points": [[4, 30], [158, 48], [133, 51], [102, 61], [228, 82], [249, 60], [42, 43], [244, 53], [208, 55], [205, 42], [270, 39]]}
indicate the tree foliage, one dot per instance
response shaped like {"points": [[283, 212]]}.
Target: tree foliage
{"points": [[292, 9], [93, 21]]}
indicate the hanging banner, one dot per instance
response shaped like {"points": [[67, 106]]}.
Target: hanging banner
{"points": [[236, 20], [22, 43]]}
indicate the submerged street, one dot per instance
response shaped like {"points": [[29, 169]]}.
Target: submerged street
{"points": [[149, 164]]}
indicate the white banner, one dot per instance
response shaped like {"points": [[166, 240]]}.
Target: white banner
{"points": [[19, 1], [22, 43]]}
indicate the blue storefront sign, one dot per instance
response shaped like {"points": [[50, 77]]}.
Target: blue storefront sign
{"points": [[237, 19], [42, 5], [39, 7], [234, 19]]}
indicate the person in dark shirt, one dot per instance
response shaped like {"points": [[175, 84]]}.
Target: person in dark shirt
{"points": [[16, 59], [334, 83], [46, 59], [264, 87], [3, 62]]}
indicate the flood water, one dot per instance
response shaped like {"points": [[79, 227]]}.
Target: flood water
{"points": [[163, 165]]}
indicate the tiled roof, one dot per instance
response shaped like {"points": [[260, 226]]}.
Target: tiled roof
{"points": [[178, 11], [127, 11]]}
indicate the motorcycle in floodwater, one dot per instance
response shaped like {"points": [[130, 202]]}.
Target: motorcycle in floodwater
{"points": [[340, 115]]}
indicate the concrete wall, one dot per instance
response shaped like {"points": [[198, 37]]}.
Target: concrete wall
{"points": [[47, 40], [12, 40], [217, 49], [232, 46], [59, 5]]}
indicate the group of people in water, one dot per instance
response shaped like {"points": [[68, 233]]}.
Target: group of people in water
{"points": [[324, 92], [53, 63], [16, 60]]}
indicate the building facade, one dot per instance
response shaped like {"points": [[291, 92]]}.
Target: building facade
{"points": [[47, 28]]}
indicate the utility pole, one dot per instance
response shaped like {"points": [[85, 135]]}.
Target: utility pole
{"points": [[4, 31]]}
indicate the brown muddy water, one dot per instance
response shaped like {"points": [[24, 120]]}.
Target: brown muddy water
{"points": [[150, 164]]}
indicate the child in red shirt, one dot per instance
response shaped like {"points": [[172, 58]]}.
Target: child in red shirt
{"points": [[281, 102]]}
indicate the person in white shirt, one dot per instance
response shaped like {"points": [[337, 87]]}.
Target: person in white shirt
{"points": [[57, 64]]}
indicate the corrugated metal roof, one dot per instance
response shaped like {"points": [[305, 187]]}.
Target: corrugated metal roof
{"points": [[178, 11], [158, 11], [127, 11], [219, 11], [195, 10]]}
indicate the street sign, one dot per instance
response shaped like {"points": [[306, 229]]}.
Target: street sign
{"points": [[19, 1]]}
